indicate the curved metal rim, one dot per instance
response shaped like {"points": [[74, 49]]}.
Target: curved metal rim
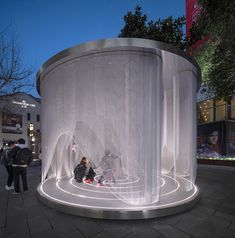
{"points": [[108, 44], [118, 214]]}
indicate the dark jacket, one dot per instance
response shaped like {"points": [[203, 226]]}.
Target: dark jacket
{"points": [[5, 158], [13, 154]]}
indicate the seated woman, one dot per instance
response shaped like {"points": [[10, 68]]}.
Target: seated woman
{"points": [[84, 169]]}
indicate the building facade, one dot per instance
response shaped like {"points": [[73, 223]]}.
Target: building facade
{"points": [[216, 128], [20, 118], [215, 117]]}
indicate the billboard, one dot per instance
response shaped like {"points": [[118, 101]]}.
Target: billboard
{"points": [[11, 123], [230, 139], [210, 140]]}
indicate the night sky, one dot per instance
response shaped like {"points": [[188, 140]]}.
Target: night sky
{"points": [[46, 27]]}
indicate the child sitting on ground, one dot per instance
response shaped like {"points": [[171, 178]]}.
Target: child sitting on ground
{"points": [[84, 169]]}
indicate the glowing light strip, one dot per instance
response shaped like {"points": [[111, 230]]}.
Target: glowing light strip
{"points": [[163, 183], [119, 193], [129, 182], [127, 177], [90, 184], [105, 187], [115, 193], [99, 198], [180, 202], [95, 187], [120, 208], [82, 196], [174, 190], [123, 179], [90, 190]]}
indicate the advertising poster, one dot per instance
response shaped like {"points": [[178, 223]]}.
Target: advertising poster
{"points": [[11, 123], [230, 140], [209, 141]]}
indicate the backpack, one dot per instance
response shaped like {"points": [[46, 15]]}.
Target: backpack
{"points": [[2, 155], [5, 159], [24, 156], [79, 172]]}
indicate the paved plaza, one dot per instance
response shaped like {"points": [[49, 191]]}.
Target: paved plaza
{"points": [[23, 216]]}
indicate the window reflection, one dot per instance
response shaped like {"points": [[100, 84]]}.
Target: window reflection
{"points": [[220, 110], [233, 108], [205, 111], [214, 110]]}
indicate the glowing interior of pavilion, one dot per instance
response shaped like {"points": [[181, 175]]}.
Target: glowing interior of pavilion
{"points": [[130, 103]]}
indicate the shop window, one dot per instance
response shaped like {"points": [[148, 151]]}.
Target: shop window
{"points": [[206, 111], [28, 117], [220, 110], [233, 108], [38, 118]]}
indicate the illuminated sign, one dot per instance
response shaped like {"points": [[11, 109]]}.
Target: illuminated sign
{"points": [[24, 104], [31, 126]]}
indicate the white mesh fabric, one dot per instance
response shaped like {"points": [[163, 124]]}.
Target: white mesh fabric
{"points": [[138, 104]]}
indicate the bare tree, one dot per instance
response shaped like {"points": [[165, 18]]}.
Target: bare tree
{"points": [[14, 76]]}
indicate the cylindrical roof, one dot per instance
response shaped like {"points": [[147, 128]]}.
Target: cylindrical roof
{"points": [[105, 44]]}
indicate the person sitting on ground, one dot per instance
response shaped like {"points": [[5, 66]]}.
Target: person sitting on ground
{"points": [[84, 169]]}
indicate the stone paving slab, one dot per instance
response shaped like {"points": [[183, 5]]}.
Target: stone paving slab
{"points": [[167, 230], [23, 216]]}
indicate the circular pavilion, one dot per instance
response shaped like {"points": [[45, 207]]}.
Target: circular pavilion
{"points": [[133, 100]]}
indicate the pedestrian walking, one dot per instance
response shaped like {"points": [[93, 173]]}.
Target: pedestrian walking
{"points": [[7, 162], [21, 158]]}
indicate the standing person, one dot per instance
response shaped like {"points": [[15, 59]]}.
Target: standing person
{"points": [[7, 161], [22, 157]]}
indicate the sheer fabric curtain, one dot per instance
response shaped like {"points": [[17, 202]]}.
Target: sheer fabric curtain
{"points": [[136, 104]]}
